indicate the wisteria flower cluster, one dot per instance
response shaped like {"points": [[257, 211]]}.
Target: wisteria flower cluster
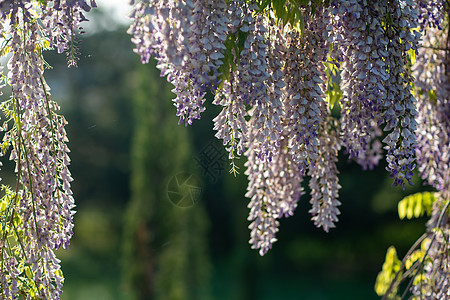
{"points": [[36, 215], [268, 70], [274, 70], [432, 72]]}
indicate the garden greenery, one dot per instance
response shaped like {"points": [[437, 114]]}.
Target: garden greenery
{"points": [[297, 82]]}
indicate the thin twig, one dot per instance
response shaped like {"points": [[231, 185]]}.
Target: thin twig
{"points": [[441, 216], [436, 48], [413, 248]]}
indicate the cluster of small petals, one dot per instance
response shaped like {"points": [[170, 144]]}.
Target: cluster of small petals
{"points": [[160, 28], [268, 106], [400, 105], [263, 210], [430, 63], [286, 182], [433, 129], [273, 100], [11, 8], [370, 158], [363, 45], [213, 41], [324, 179], [41, 156], [206, 37], [230, 124], [430, 13], [254, 72], [62, 23], [187, 39], [144, 29], [433, 137], [274, 189], [303, 74], [251, 68], [433, 281], [257, 81], [189, 100], [9, 277]]}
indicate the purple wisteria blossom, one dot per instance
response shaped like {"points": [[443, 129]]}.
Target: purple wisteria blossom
{"points": [[187, 39], [432, 87], [43, 205], [160, 29], [400, 105], [208, 32], [433, 130], [268, 74], [230, 124], [247, 83], [274, 189], [431, 13], [361, 38], [304, 73], [324, 179], [267, 104], [62, 22]]}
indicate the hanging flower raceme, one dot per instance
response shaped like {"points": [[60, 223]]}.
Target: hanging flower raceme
{"points": [[244, 83], [206, 38], [303, 73], [433, 159], [39, 214], [433, 130], [430, 14], [361, 38], [324, 178], [268, 92], [187, 38], [274, 189], [268, 70], [400, 105], [62, 24], [160, 28], [230, 124]]}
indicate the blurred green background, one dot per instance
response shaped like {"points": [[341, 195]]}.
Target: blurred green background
{"points": [[131, 242]]}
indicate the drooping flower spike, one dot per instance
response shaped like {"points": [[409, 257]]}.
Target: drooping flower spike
{"points": [[266, 68], [272, 86], [39, 215]]}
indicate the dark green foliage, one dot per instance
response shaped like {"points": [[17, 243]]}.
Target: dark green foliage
{"points": [[164, 245]]}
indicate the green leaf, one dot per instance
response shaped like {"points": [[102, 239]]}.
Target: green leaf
{"points": [[414, 257], [416, 205], [412, 56], [263, 4], [391, 267], [29, 273], [301, 26]]}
